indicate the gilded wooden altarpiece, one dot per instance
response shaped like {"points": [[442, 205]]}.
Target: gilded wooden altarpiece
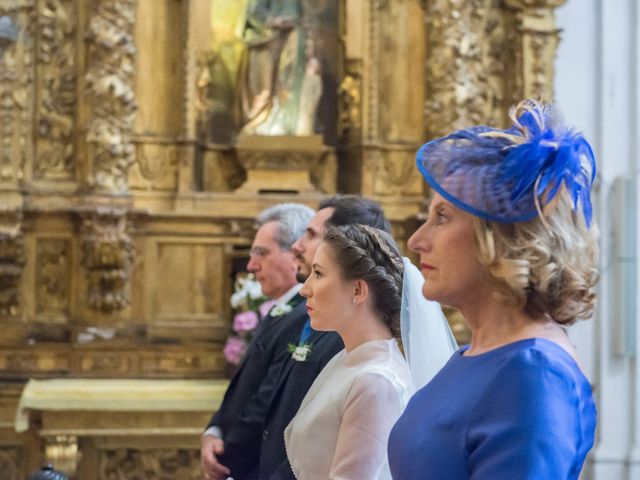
{"points": [[128, 186]]}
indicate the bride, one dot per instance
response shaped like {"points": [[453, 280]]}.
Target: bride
{"points": [[355, 289]]}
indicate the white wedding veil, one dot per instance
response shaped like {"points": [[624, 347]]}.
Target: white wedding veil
{"points": [[426, 337]]}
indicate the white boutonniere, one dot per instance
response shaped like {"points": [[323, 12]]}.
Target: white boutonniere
{"points": [[300, 352], [281, 309]]}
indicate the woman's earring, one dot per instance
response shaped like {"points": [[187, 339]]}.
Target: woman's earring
{"points": [[354, 301]]}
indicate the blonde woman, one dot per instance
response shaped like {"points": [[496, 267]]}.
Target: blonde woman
{"points": [[509, 243]]}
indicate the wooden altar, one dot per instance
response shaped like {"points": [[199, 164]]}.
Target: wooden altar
{"points": [[98, 428], [127, 196]]}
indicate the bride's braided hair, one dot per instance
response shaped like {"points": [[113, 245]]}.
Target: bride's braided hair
{"points": [[369, 254]]}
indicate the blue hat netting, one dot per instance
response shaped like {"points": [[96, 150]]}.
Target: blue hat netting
{"points": [[500, 175]]}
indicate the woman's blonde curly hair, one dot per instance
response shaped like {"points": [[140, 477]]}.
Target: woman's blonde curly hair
{"points": [[546, 266]]}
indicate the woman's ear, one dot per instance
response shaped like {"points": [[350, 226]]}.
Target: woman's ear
{"points": [[360, 291]]}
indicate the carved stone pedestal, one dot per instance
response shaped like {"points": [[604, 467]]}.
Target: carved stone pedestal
{"points": [[286, 164]]}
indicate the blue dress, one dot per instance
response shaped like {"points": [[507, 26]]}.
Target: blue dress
{"points": [[521, 411]]}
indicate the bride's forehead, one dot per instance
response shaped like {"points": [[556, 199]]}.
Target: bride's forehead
{"points": [[323, 252]]}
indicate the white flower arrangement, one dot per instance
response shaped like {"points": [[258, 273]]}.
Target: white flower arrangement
{"points": [[281, 309], [300, 352], [246, 288], [250, 307]]}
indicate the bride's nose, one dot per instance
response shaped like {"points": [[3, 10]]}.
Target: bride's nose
{"points": [[305, 291]]}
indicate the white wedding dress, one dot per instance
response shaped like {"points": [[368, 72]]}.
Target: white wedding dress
{"points": [[343, 424]]}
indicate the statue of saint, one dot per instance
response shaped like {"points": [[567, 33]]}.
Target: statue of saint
{"points": [[272, 73], [310, 94]]}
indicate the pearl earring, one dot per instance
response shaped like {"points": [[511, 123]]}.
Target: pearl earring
{"points": [[354, 301]]}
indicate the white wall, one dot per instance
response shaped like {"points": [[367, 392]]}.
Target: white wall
{"points": [[597, 90]]}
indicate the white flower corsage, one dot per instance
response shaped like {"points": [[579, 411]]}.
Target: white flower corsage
{"points": [[280, 309], [300, 352]]}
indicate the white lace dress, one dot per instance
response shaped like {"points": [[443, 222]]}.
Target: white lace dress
{"points": [[343, 424]]}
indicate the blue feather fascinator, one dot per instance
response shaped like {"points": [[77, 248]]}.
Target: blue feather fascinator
{"points": [[511, 175]]}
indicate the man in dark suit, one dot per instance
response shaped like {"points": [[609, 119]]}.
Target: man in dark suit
{"points": [[227, 445], [257, 435], [297, 373]]}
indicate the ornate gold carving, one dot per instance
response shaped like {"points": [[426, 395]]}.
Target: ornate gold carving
{"points": [[12, 260], [191, 71], [110, 89], [155, 167], [479, 54], [57, 83], [264, 158], [9, 458], [152, 464], [535, 46], [180, 363], [325, 173], [52, 277], [350, 95], [484, 56], [31, 361], [221, 171], [202, 98], [112, 364], [457, 60], [502, 83], [542, 4], [107, 255], [241, 227], [370, 128], [278, 160], [16, 83], [396, 174], [22, 362]]}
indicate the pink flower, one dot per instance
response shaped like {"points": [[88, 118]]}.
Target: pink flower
{"points": [[265, 307], [245, 321], [234, 350]]}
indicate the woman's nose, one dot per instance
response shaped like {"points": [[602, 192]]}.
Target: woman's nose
{"points": [[417, 240], [305, 291]]}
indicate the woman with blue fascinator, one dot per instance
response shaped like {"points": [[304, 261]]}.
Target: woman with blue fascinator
{"points": [[509, 242]]}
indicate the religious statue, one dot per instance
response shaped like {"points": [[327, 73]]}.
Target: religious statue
{"points": [[310, 94], [280, 82]]}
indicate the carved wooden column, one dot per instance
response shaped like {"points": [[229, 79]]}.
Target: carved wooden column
{"points": [[16, 90], [484, 56], [198, 34], [12, 260], [535, 47], [111, 104], [55, 108], [465, 64], [382, 93]]}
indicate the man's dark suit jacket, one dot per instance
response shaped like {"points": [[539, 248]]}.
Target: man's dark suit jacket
{"points": [[241, 414], [294, 381]]}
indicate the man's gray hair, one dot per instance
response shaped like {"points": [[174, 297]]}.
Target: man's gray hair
{"points": [[292, 219]]}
